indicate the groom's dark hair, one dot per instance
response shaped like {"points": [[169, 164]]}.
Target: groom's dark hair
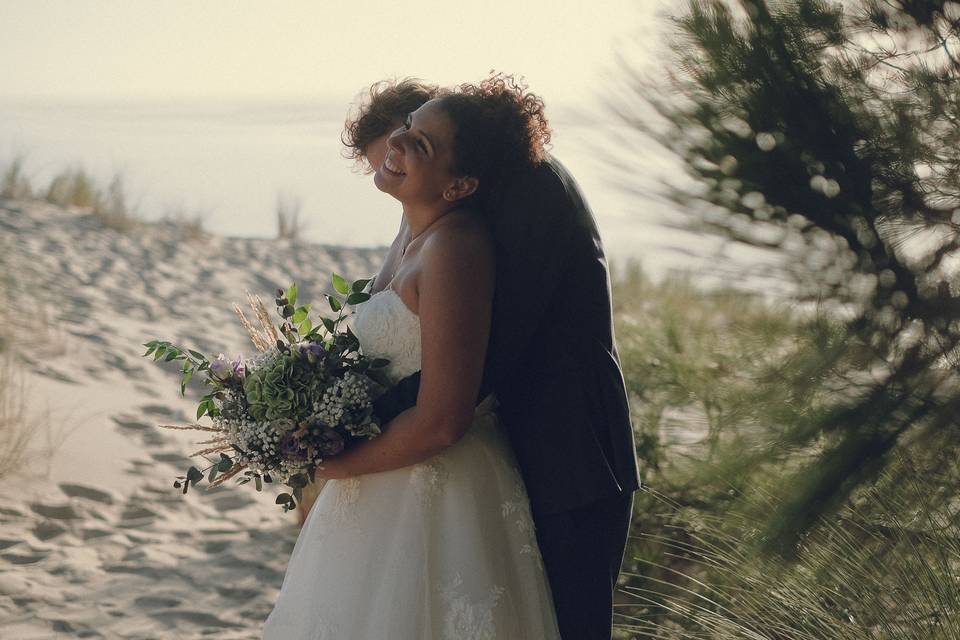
{"points": [[379, 108]]}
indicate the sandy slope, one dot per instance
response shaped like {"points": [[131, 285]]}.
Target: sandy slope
{"points": [[94, 540]]}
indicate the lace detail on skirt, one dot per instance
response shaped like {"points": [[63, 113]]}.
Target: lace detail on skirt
{"points": [[517, 509], [428, 479], [466, 619]]}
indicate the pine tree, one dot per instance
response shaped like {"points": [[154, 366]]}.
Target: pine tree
{"points": [[829, 133]]}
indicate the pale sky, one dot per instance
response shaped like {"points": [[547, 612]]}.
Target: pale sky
{"points": [[302, 48]]}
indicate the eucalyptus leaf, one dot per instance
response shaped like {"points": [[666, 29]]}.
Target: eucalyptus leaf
{"points": [[340, 284], [360, 285], [194, 475], [292, 294], [335, 303], [357, 298]]}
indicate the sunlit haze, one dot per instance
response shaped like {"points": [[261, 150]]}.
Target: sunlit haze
{"points": [[136, 48]]}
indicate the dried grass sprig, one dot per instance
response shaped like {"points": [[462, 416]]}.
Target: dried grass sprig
{"points": [[191, 427], [214, 449], [269, 331], [237, 468], [258, 340]]}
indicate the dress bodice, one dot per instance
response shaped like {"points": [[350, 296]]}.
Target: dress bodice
{"points": [[387, 328]]}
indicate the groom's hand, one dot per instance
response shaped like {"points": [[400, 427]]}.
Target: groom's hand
{"points": [[397, 398]]}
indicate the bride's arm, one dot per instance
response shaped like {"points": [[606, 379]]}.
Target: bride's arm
{"points": [[455, 286]]}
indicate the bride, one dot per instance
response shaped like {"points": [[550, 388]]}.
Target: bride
{"points": [[425, 532]]}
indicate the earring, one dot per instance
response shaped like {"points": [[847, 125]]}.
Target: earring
{"points": [[449, 196]]}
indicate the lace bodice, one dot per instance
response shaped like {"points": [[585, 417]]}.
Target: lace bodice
{"points": [[387, 328]]}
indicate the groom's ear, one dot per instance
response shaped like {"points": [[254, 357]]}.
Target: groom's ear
{"points": [[461, 188]]}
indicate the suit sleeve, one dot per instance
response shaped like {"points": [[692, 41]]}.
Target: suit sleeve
{"points": [[533, 230]]}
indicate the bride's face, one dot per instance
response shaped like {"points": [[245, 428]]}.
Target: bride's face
{"points": [[418, 164]]}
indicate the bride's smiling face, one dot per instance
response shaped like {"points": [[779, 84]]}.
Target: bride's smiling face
{"points": [[418, 165]]}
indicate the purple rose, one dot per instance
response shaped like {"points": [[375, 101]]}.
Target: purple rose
{"points": [[221, 368], [312, 350], [239, 368], [224, 369]]}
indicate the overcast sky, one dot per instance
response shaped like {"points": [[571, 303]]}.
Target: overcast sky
{"points": [[302, 48]]}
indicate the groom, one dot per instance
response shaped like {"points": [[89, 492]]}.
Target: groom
{"points": [[554, 367]]}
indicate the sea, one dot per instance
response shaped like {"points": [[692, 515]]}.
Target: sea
{"points": [[232, 161]]}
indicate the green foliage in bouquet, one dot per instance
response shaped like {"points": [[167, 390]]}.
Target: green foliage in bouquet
{"points": [[306, 394]]}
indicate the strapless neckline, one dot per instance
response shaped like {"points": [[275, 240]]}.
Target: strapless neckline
{"points": [[399, 299]]}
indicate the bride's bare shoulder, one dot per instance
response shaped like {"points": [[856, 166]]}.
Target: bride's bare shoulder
{"points": [[463, 242]]}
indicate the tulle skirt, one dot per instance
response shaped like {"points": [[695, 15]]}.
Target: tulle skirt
{"points": [[442, 550]]}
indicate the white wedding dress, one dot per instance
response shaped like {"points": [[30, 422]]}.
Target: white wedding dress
{"points": [[441, 550]]}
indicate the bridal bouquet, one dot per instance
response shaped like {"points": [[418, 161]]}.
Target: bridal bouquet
{"points": [[306, 394]]}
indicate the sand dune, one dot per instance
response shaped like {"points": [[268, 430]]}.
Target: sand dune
{"points": [[94, 540]]}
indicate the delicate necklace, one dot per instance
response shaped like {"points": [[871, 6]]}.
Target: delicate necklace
{"points": [[403, 251]]}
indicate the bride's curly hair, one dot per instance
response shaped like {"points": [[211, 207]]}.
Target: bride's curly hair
{"points": [[378, 109], [500, 128]]}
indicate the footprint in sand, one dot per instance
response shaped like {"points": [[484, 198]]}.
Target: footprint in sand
{"points": [[91, 533], [154, 439], [57, 512], [232, 502], [216, 546], [10, 511], [86, 493], [206, 620], [53, 374], [130, 425], [164, 412], [137, 512], [238, 594], [155, 602], [176, 459], [25, 558], [48, 530]]}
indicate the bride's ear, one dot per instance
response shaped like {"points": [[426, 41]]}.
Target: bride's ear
{"points": [[461, 188]]}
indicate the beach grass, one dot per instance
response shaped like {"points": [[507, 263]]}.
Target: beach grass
{"points": [[19, 424], [289, 224], [75, 187], [709, 372], [16, 427], [14, 182]]}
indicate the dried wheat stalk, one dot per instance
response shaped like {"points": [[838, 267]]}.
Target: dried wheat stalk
{"points": [[227, 475]]}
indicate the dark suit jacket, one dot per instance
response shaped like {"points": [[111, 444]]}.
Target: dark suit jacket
{"points": [[551, 359]]}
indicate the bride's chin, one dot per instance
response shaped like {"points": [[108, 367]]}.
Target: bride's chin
{"points": [[383, 183]]}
